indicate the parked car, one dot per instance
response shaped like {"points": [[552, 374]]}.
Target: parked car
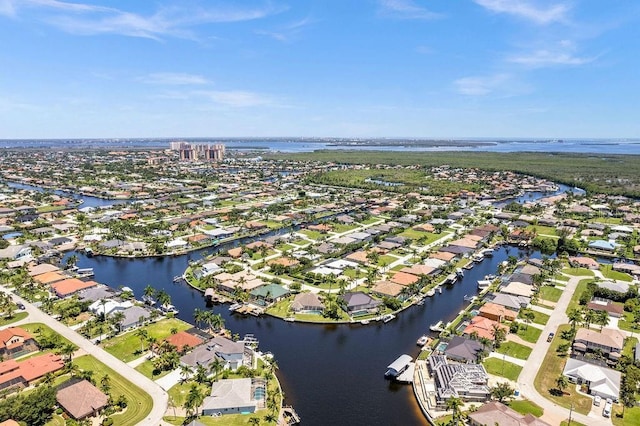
{"points": [[596, 400], [550, 337], [606, 411], [20, 306]]}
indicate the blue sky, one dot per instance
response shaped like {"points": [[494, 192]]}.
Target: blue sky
{"points": [[343, 68]]}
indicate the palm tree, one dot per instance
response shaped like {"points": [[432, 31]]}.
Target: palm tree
{"points": [[255, 421], [185, 372], [270, 418], [562, 382], [105, 383], [117, 319], [201, 374], [194, 399], [454, 405], [142, 334], [216, 367], [198, 316], [589, 317], [602, 319], [68, 350], [163, 298], [575, 316], [149, 291]]}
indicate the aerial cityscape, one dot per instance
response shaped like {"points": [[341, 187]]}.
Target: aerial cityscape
{"points": [[388, 212]]}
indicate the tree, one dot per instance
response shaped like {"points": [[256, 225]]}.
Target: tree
{"points": [[270, 418], [149, 291], [562, 383], [105, 383], [602, 319], [502, 391], [163, 298], [185, 372], [117, 319], [575, 316], [528, 315], [255, 421], [142, 334], [216, 367], [194, 400], [454, 405], [201, 374], [589, 317], [499, 335], [68, 350]]}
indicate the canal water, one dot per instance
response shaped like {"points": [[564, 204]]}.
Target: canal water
{"points": [[331, 374]]}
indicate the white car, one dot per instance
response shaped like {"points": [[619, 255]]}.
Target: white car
{"points": [[596, 400], [606, 411]]}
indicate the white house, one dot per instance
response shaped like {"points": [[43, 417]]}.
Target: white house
{"points": [[600, 380]]}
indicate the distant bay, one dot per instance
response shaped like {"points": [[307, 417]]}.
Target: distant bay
{"points": [[587, 146]]}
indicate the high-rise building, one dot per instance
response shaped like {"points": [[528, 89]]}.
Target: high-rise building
{"points": [[199, 152]]}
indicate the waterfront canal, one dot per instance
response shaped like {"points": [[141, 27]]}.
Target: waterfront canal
{"points": [[331, 374]]}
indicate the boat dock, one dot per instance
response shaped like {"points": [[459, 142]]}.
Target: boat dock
{"points": [[290, 416], [407, 375]]}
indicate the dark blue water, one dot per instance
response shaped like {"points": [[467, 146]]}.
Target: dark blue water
{"points": [[331, 374], [87, 200]]}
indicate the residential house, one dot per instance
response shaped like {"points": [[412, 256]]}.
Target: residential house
{"points": [[464, 350], [81, 399], [609, 341], [13, 373], [70, 286], [494, 412], [233, 396], [232, 354], [15, 342], [600, 380], [358, 301], [483, 327], [134, 316], [468, 382], [387, 289], [184, 339], [307, 302], [268, 294], [498, 313]]}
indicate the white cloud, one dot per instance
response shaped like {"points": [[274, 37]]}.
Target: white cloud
{"points": [[545, 58], [288, 32], [405, 9], [174, 21], [174, 79], [524, 9], [237, 98], [480, 86]]}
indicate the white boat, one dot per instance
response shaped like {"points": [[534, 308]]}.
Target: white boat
{"points": [[365, 322], [85, 272], [148, 300], [482, 284], [439, 289], [177, 278], [469, 298], [459, 272], [478, 257], [169, 309], [430, 293], [127, 290], [388, 317], [437, 327], [488, 252], [422, 340], [235, 306], [290, 319]]}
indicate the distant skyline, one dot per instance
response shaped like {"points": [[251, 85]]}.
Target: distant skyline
{"points": [[320, 68]]}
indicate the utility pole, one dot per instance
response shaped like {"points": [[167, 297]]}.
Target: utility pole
{"points": [[570, 412]]}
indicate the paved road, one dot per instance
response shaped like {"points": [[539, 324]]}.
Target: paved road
{"points": [[553, 413], [159, 396]]}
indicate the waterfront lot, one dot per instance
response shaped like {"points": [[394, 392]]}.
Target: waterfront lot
{"points": [[127, 346], [502, 368], [550, 293]]}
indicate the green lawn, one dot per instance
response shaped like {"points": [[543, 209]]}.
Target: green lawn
{"points": [[543, 230], [386, 260], [339, 228], [226, 420], [627, 323], [574, 303], [146, 368], [499, 367], [314, 235], [15, 318], [525, 406], [139, 403], [578, 272], [413, 234], [37, 327], [631, 416], [608, 272], [550, 293], [529, 334], [56, 420], [126, 346], [178, 393], [560, 277], [550, 369], [515, 350], [285, 247], [540, 318], [629, 344]]}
